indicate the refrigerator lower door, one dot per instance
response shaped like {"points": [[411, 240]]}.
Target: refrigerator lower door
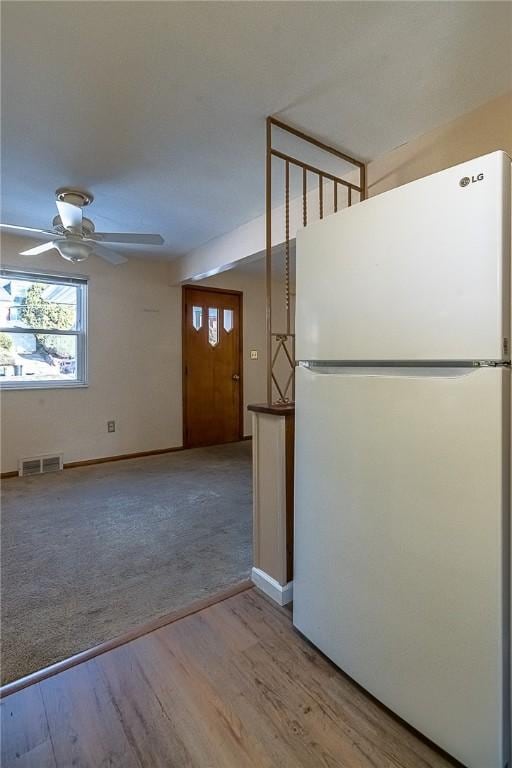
{"points": [[401, 543]]}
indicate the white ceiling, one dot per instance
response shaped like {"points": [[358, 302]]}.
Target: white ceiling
{"points": [[158, 107]]}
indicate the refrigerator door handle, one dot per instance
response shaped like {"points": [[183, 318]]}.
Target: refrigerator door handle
{"points": [[393, 371]]}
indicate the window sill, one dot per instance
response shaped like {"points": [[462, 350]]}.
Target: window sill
{"points": [[11, 385]]}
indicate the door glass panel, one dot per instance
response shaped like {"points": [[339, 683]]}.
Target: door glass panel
{"points": [[213, 326], [228, 320], [197, 317]]}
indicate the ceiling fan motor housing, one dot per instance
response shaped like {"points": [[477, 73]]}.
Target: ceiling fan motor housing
{"points": [[87, 226]]}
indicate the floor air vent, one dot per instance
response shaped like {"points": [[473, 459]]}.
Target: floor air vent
{"points": [[39, 465]]}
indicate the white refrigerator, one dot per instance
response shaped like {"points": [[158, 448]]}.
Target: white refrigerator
{"points": [[402, 477]]}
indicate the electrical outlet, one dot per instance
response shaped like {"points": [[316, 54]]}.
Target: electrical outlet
{"points": [[254, 354], [111, 426]]}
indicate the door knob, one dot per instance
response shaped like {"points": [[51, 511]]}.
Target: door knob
{"points": [[235, 377]]}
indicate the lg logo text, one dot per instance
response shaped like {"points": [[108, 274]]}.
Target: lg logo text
{"points": [[467, 180]]}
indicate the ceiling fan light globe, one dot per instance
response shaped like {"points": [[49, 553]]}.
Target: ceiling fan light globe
{"points": [[74, 250]]}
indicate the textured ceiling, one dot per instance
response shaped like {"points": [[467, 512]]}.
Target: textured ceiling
{"points": [[158, 108]]}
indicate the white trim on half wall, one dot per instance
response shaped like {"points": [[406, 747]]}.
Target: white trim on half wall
{"points": [[281, 594]]}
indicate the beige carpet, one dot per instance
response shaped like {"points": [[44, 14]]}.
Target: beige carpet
{"points": [[91, 552]]}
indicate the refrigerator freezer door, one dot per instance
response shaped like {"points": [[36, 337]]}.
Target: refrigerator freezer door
{"points": [[418, 273], [401, 506]]}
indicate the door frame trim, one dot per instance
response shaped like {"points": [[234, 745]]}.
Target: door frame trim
{"points": [[240, 295]]}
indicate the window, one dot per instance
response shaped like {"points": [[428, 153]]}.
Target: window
{"points": [[42, 330]]}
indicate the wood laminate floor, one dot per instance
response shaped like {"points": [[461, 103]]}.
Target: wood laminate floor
{"points": [[233, 686]]}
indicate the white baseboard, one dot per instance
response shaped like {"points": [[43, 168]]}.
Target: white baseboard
{"points": [[281, 594]]}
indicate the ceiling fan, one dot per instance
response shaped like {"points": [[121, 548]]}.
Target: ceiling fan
{"points": [[74, 236]]}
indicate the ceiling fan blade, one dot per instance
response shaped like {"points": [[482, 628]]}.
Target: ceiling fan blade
{"points": [[111, 256], [70, 215], [39, 249], [127, 237], [16, 228]]}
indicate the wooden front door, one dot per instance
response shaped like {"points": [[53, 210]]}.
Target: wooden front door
{"points": [[212, 366]]}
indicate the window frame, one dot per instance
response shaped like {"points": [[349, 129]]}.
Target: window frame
{"points": [[81, 282]]}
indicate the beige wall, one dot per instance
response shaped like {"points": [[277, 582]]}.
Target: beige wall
{"points": [[134, 348], [478, 132]]}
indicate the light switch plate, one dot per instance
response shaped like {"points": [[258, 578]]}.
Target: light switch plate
{"points": [[254, 354], [111, 426]]}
